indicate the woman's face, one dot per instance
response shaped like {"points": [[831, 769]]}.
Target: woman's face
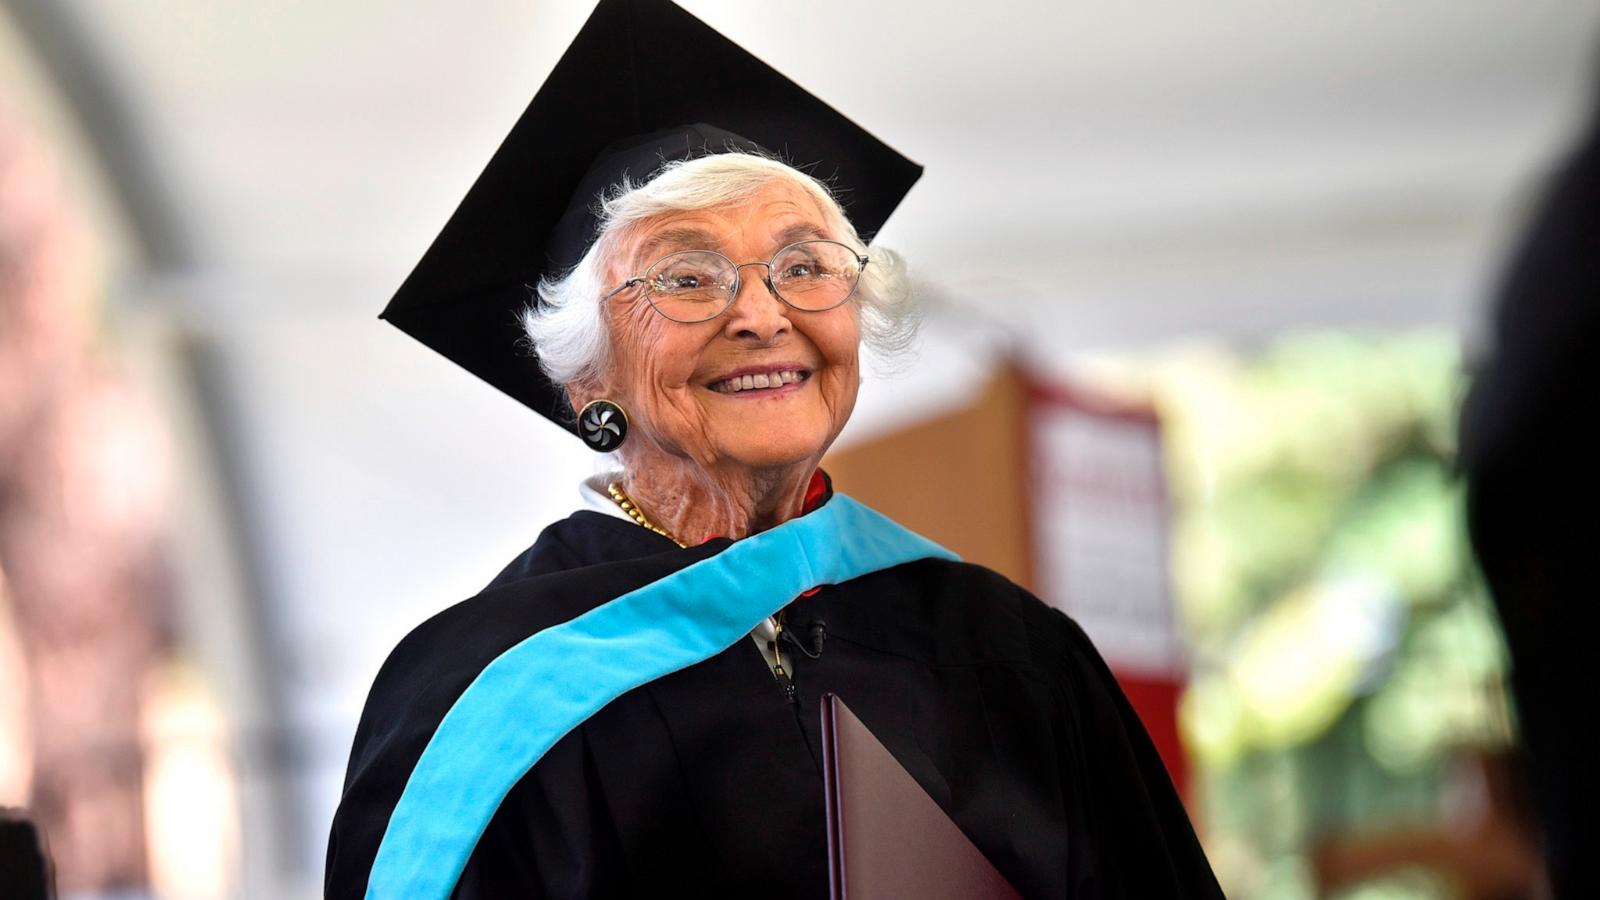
{"points": [[673, 378]]}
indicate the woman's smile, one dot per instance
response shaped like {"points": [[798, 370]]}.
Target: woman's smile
{"points": [[762, 381]]}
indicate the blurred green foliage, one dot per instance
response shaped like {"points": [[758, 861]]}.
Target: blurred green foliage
{"points": [[1343, 648]]}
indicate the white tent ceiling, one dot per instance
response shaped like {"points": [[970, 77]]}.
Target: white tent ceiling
{"points": [[1066, 143]]}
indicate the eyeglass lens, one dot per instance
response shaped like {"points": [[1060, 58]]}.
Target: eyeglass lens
{"points": [[696, 285]]}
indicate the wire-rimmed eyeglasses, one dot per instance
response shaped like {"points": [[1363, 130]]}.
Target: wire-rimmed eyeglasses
{"points": [[698, 285]]}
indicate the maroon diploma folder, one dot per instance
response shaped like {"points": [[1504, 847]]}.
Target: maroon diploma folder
{"points": [[886, 837]]}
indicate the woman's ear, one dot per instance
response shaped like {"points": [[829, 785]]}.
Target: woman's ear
{"points": [[585, 390], [579, 393]]}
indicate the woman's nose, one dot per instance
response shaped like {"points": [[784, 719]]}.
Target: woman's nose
{"points": [[757, 315]]}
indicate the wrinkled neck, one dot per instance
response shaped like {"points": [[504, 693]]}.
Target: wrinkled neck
{"points": [[694, 503]]}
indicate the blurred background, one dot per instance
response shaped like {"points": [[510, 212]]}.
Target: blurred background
{"points": [[1202, 281]]}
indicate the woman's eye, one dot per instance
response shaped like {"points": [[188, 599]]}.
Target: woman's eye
{"points": [[682, 281], [798, 270]]}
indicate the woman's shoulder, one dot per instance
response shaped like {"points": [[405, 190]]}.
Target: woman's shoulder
{"points": [[577, 564], [958, 585], [584, 538], [437, 662]]}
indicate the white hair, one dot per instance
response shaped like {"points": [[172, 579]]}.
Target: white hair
{"points": [[568, 332]]}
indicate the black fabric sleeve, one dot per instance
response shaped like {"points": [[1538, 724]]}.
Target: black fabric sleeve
{"points": [[1134, 838], [416, 686], [408, 697], [430, 668]]}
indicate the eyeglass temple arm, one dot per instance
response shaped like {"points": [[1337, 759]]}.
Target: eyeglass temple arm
{"points": [[631, 282]]}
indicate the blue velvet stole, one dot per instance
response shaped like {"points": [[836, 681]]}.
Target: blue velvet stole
{"points": [[542, 688]]}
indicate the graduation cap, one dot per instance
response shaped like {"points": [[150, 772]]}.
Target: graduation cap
{"points": [[643, 84]]}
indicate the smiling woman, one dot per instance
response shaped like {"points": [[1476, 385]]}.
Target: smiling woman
{"points": [[632, 706], [734, 386]]}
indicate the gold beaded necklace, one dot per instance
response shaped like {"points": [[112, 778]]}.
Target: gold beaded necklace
{"points": [[636, 514]]}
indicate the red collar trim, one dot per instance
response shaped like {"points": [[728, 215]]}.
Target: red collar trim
{"points": [[816, 492]]}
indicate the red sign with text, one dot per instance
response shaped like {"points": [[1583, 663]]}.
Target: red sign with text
{"points": [[1101, 517]]}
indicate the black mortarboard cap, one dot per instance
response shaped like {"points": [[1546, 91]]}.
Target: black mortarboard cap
{"points": [[643, 83]]}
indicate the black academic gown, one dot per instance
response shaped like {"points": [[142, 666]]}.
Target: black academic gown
{"points": [[708, 782]]}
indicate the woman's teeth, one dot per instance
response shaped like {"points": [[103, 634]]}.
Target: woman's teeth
{"points": [[755, 382]]}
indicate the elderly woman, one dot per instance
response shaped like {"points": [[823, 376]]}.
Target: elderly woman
{"points": [[631, 707]]}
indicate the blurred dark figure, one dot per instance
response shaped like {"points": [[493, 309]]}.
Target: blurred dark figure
{"points": [[1532, 460], [24, 866]]}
